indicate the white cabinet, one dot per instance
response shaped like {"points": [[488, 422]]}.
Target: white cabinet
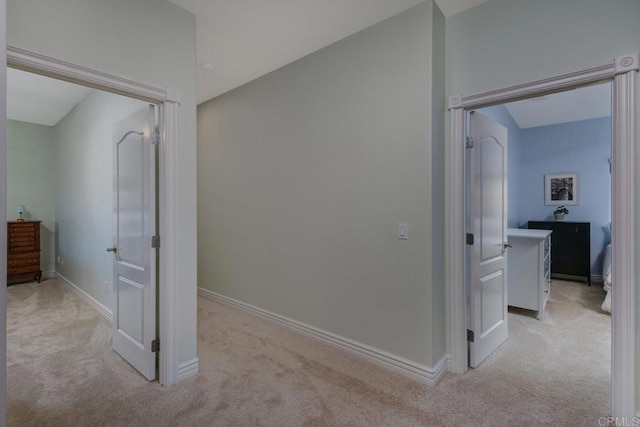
{"points": [[529, 264]]}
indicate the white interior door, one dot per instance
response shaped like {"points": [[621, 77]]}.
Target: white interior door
{"points": [[488, 257], [134, 266]]}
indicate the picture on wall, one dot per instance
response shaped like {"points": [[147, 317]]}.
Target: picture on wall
{"points": [[561, 189]]}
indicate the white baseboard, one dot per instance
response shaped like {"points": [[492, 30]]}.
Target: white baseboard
{"points": [[597, 279], [188, 369], [409, 368], [94, 303]]}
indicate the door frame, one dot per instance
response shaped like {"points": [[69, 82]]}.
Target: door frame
{"points": [[168, 101], [622, 72]]}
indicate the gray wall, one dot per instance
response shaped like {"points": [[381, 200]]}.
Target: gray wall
{"points": [[31, 178], [84, 192], [505, 42], [150, 41], [3, 234], [304, 175], [438, 101]]}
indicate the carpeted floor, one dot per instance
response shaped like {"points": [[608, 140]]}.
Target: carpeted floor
{"points": [[61, 371]]}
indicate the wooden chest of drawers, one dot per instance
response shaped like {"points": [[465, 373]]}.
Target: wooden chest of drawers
{"points": [[23, 250]]}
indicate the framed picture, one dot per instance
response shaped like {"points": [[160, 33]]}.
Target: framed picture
{"points": [[561, 189]]}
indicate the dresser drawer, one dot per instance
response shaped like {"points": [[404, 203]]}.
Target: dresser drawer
{"points": [[19, 242], [23, 270], [23, 255], [22, 248], [23, 233], [22, 225], [23, 262]]}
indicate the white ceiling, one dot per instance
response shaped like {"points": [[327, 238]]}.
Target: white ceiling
{"points": [[245, 39], [451, 7], [240, 40], [589, 102], [37, 99]]}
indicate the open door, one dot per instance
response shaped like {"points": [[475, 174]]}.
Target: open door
{"points": [[134, 266], [488, 218]]}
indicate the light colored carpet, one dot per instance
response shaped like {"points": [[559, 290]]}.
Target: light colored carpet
{"points": [[62, 371]]}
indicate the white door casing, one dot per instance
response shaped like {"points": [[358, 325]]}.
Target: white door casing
{"points": [[623, 71], [488, 254], [134, 224]]}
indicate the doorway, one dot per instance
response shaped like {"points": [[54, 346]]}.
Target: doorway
{"points": [[557, 328], [623, 73], [82, 161], [168, 100]]}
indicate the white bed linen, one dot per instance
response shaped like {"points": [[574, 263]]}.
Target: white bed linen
{"points": [[606, 277]]}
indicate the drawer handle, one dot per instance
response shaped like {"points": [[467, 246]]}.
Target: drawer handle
{"points": [[113, 249]]}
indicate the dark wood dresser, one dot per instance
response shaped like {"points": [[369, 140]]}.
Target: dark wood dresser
{"points": [[23, 250], [570, 248]]}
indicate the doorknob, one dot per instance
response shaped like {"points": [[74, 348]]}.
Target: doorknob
{"points": [[113, 249], [507, 245]]}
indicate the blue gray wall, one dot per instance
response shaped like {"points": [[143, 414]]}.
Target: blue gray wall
{"points": [[583, 147]]}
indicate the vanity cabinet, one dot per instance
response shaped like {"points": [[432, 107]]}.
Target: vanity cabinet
{"points": [[529, 269]]}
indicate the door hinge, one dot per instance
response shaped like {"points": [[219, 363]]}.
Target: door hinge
{"points": [[155, 345], [470, 335], [155, 242], [469, 239], [155, 138], [469, 143]]}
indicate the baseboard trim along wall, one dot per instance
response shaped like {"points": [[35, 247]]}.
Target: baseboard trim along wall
{"points": [[98, 306], [596, 278], [188, 369], [422, 373]]}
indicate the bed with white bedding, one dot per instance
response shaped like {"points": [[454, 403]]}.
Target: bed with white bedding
{"points": [[606, 278]]}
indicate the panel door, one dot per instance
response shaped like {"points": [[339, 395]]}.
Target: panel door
{"points": [[488, 257], [134, 265]]}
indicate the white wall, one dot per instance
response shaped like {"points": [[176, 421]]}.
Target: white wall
{"points": [[31, 178], [304, 175], [150, 41], [84, 192], [504, 42]]}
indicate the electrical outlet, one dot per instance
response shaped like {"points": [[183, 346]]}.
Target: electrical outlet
{"points": [[58, 259], [61, 261]]}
